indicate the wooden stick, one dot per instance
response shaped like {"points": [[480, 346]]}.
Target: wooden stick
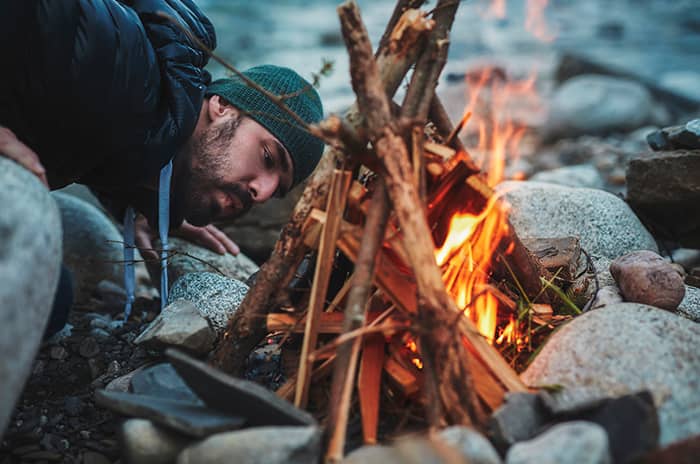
{"points": [[344, 373], [335, 208], [369, 386]]}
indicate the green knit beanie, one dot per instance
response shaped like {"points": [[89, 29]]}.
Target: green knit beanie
{"points": [[304, 148]]}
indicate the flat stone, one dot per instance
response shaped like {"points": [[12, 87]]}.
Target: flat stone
{"points": [[258, 445], [188, 257], [30, 263], [604, 224], [568, 443], [645, 277], [162, 381], [519, 418], [143, 442], [181, 416], [581, 175], [665, 188], [236, 396], [690, 306], [216, 297], [623, 349], [559, 255], [473, 446], [179, 324]]}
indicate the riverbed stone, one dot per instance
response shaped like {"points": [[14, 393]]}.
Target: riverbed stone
{"points": [[604, 224], [258, 445], [626, 348], [143, 442], [188, 257], [690, 306], [596, 105], [215, 296], [92, 246], [645, 277], [472, 445], [30, 263], [580, 175], [577, 442], [179, 324]]}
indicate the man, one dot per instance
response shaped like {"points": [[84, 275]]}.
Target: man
{"points": [[114, 95]]}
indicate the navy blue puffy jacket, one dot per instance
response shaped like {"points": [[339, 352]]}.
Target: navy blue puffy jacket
{"points": [[104, 91]]}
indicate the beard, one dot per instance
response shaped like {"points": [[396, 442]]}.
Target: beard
{"points": [[201, 163]]}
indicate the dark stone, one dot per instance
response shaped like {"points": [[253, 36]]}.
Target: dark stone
{"points": [[519, 418], [236, 396], [188, 418], [664, 190], [631, 422], [682, 452], [162, 381], [89, 348], [686, 136]]}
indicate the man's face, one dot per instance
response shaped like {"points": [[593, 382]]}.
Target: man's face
{"points": [[227, 167]]}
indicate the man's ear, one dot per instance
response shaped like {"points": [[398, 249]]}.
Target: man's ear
{"points": [[219, 108]]}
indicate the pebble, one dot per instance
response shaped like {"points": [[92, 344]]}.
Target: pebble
{"points": [[89, 348], [58, 353], [73, 406]]}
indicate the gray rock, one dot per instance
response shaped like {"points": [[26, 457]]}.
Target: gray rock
{"points": [[690, 306], [568, 443], [665, 187], [259, 445], [473, 446], [593, 104], [519, 418], [92, 246], [145, 443], [645, 277], [607, 295], [372, 454], [426, 450], [682, 81], [189, 258], [625, 348], [582, 175], [162, 381], [181, 325], [604, 224], [215, 296], [181, 416], [30, 259]]}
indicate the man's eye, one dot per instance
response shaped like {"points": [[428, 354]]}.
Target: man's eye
{"points": [[269, 160]]}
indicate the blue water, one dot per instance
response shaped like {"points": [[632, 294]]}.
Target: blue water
{"points": [[648, 37]]}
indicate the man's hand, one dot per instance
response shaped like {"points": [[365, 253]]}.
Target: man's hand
{"points": [[11, 147], [209, 237]]}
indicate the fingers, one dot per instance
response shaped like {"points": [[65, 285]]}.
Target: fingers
{"points": [[142, 237], [12, 148], [228, 244], [209, 237]]}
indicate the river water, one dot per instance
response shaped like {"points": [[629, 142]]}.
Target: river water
{"points": [[653, 38]]}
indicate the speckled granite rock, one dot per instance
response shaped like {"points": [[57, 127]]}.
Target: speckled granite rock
{"points": [[625, 348], [690, 306], [215, 296]]}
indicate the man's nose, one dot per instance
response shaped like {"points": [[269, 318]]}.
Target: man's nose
{"points": [[263, 187]]}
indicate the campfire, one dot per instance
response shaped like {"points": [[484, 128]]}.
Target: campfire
{"points": [[444, 297]]}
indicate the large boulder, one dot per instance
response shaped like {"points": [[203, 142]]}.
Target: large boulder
{"points": [[625, 348], [605, 225], [594, 104], [665, 188], [92, 246], [30, 262], [188, 258]]}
